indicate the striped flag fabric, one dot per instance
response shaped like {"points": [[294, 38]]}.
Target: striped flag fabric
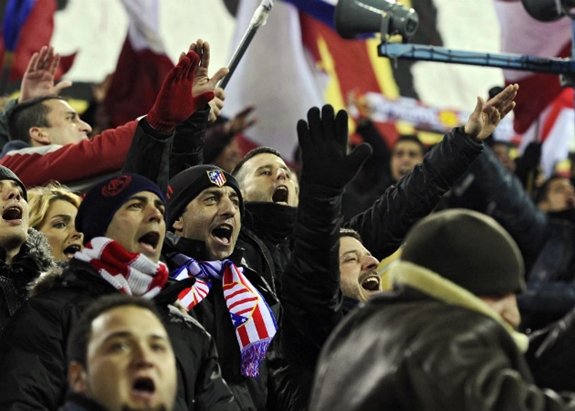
{"points": [[297, 61], [544, 110]]}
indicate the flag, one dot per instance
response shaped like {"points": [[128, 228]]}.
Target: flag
{"points": [[274, 75], [322, 10], [544, 110], [141, 67], [297, 61], [27, 26]]}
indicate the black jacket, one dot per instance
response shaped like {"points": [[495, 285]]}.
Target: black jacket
{"points": [[412, 351], [311, 298], [33, 259], [551, 356], [213, 314], [384, 225], [75, 402], [373, 178], [546, 240], [32, 350]]}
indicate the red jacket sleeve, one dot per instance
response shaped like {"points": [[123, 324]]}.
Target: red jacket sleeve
{"points": [[104, 153]]}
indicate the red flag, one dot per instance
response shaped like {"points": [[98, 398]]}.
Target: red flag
{"points": [[544, 110], [34, 33], [142, 65]]}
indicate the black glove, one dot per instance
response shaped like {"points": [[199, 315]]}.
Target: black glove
{"points": [[323, 143]]}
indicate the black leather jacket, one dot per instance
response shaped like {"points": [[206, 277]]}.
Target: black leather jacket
{"points": [[409, 351]]}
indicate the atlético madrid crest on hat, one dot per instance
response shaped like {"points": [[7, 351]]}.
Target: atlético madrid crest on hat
{"points": [[217, 177]]}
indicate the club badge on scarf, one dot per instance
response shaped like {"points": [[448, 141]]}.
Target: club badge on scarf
{"points": [[252, 318], [130, 273]]}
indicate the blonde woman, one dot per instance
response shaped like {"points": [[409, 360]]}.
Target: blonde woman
{"points": [[53, 209]]}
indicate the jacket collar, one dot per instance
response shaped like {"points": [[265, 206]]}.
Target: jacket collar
{"points": [[77, 402], [432, 284], [195, 248]]}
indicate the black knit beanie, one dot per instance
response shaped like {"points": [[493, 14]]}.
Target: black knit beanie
{"points": [[104, 199], [469, 249], [186, 185], [7, 174]]}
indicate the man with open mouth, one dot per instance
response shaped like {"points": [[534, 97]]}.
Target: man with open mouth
{"points": [[271, 197], [24, 252], [120, 357], [233, 302], [122, 219]]}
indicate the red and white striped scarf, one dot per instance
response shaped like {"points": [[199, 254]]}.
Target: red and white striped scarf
{"points": [[252, 318], [130, 273]]}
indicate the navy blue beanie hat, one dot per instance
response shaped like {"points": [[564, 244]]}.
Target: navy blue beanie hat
{"points": [[186, 185], [7, 174], [104, 199]]}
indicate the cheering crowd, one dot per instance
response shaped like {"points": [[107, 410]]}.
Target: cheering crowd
{"points": [[153, 267]]}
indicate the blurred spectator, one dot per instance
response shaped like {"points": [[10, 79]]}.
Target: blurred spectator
{"points": [[384, 168], [221, 147], [52, 142]]}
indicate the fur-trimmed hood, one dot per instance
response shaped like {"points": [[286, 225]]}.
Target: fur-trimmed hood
{"points": [[38, 249], [432, 284], [33, 259]]}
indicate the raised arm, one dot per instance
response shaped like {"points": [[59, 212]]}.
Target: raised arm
{"points": [[311, 297], [384, 225], [190, 134], [40, 74]]}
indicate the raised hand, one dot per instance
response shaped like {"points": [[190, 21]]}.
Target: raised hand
{"points": [[39, 76], [216, 104], [487, 115], [203, 83], [323, 143], [240, 121], [175, 102]]}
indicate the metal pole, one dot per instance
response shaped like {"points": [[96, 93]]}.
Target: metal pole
{"points": [[258, 19]]}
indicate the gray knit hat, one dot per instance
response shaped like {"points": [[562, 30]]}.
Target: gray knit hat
{"points": [[469, 249], [7, 174]]}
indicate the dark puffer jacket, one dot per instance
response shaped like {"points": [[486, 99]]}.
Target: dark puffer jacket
{"points": [[33, 259], [32, 350], [311, 298]]}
